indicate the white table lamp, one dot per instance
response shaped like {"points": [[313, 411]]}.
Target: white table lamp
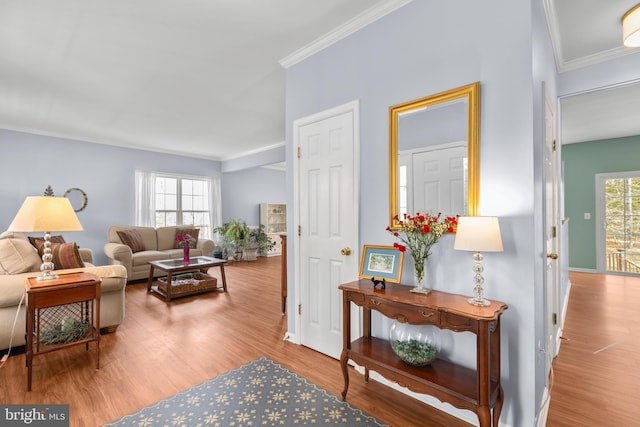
{"points": [[46, 214], [478, 234]]}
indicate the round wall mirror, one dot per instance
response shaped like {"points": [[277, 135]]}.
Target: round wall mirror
{"points": [[77, 198]]}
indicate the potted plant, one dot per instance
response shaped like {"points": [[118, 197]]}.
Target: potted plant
{"points": [[222, 245], [237, 233], [259, 237]]}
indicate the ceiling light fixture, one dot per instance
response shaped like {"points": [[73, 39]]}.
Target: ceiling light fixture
{"points": [[631, 27]]}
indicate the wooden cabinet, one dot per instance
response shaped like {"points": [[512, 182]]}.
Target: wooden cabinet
{"points": [[274, 218], [478, 389]]}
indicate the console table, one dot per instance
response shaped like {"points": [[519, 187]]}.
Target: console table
{"points": [[478, 389]]}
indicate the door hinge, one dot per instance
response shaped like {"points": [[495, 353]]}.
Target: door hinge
{"points": [[554, 231], [554, 318], [553, 146], [299, 230], [299, 152], [300, 309]]}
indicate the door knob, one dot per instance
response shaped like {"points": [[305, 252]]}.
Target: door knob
{"points": [[552, 255], [346, 251]]}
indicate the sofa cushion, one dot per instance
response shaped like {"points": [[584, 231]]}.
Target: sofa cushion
{"points": [[13, 235], [181, 232], [133, 239], [18, 256]]}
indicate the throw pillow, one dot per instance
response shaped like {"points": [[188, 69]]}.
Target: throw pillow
{"points": [[66, 255], [37, 241], [133, 239], [18, 256], [193, 232]]}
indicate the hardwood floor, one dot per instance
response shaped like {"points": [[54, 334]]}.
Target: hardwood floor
{"points": [[161, 349], [597, 372]]}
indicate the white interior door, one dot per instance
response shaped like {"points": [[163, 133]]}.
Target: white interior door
{"points": [[552, 231], [439, 180], [328, 224]]}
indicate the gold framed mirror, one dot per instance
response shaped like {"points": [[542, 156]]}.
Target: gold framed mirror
{"points": [[425, 134]]}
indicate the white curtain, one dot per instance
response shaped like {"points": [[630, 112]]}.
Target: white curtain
{"points": [[215, 203], [145, 199]]}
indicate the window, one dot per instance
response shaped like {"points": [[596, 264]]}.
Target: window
{"points": [[618, 240], [622, 202], [164, 200]]}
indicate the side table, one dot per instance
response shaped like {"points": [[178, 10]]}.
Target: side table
{"points": [[60, 313]]}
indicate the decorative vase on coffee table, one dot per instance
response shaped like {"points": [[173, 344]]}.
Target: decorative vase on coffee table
{"points": [[186, 254]]}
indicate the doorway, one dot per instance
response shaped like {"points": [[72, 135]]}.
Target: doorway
{"points": [[618, 219]]}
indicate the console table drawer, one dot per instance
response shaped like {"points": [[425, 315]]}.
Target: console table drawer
{"points": [[402, 312]]}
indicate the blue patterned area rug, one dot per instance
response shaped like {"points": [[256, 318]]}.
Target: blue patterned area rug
{"points": [[259, 393]]}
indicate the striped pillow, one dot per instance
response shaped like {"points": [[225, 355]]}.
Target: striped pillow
{"points": [[66, 255], [133, 239]]}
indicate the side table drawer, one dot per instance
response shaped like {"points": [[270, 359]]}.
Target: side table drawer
{"points": [[406, 313], [65, 296]]}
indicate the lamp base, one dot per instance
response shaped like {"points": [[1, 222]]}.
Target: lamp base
{"points": [[47, 275], [47, 260], [481, 302]]}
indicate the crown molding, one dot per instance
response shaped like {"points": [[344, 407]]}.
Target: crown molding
{"points": [[255, 151], [596, 58], [362, 20], [562, 64]]}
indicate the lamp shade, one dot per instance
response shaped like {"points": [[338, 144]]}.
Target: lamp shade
{"points": [[631, 27], [478, 234], [45, 213]]}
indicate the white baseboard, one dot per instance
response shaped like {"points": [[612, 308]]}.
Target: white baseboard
{"points": [[546, 397], [462, 414], [544, 409], [291, 338], [583, 270]]}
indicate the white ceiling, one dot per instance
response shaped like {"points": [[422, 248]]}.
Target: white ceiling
{"points": [[193, 77], [205, 78], [586, 32]]}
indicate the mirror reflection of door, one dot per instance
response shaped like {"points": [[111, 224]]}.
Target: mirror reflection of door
{"points": [[436, 180], [432, 159]]}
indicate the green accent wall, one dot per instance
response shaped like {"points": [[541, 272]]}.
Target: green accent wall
{"points": [[581, 162]]}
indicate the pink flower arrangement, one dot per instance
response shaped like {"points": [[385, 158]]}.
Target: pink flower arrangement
{"points": [[185, 240]]}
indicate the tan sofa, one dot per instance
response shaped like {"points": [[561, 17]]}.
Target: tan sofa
{"points": [[158, 244], [114, 279]]}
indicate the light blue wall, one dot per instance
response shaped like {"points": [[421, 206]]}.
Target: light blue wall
{"points": [[243, 191], [31, 162], [415, 52]]}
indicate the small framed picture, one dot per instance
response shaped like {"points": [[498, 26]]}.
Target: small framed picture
{"points": [[381, 262]]}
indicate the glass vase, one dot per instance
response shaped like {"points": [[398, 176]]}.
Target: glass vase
{"points": [[420, 276], [186, 258], [417, 345]]}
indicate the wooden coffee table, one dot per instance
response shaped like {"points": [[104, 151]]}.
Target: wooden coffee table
{"points": [[175, 266]]}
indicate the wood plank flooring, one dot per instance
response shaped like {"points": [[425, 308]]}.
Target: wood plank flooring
{"points": [[596, 374], [161, 349]]}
